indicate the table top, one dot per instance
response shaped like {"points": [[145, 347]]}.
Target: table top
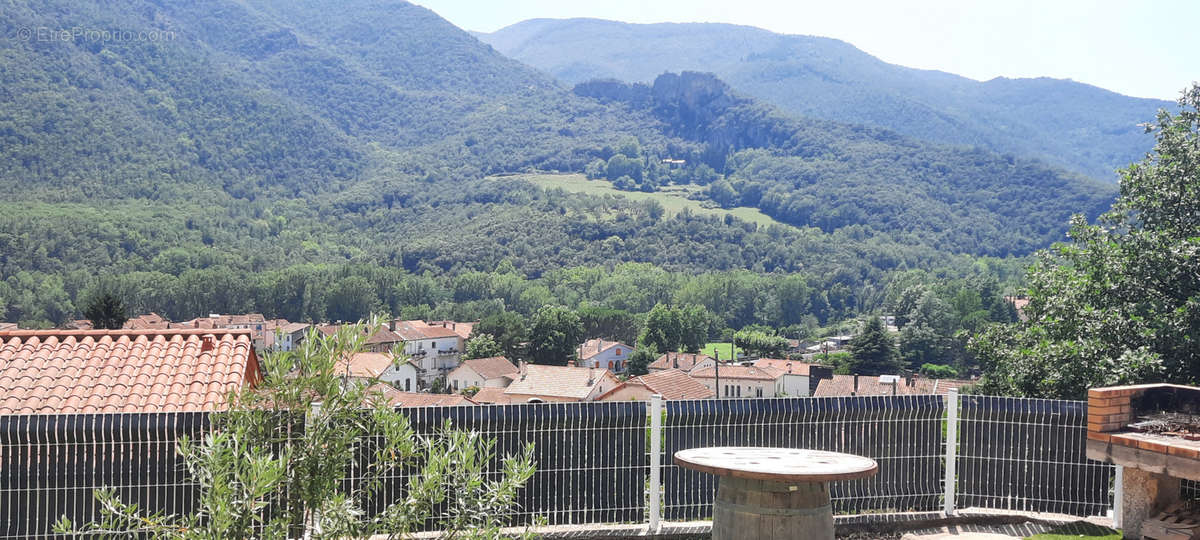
{"points": [[778, 464]]}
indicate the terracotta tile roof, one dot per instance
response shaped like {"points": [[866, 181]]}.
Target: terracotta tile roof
{"points": [[560, 381], [77, 324], [415, 330], [291, 328], [102, 371], [149, 321], [675, 384], [8, 326], [383, 335], [492, 367], [684, 361], [592, 347], [490, 394], [365, 365], [413, 399], [870, 385], [740, 372], [786, 366], [462, 329]]}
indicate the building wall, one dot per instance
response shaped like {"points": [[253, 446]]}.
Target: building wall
{"points": [[617, 355], [744, 387], [402, 376], [795, 385], [465, 377]]}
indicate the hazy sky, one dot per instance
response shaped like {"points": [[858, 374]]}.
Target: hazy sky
{"points": [[1147, 48]]}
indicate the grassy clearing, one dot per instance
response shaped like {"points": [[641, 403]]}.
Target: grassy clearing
{"points": [[1077, 531], [672, 198], [720, 349]]}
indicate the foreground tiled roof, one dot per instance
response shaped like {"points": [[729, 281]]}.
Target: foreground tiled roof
{"points": [[684, 361], [492, 367], [869, 385], [785, 366], [675, 384], [740, 372], [559, 381], [103, 371]]}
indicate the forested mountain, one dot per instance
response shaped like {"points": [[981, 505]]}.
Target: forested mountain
{"points": [[230, 148], [1081, 127]]}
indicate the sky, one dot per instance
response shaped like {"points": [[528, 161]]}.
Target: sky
{"points": [[1143, 48]]}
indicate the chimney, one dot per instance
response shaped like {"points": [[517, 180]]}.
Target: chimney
{"points": [[207, 342], [676, 357]]}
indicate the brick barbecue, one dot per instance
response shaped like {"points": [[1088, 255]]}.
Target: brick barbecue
{"points": [[1153, 431]]}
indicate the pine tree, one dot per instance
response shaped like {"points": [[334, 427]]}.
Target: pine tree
{"points": [[106, 311], [873, 352]]}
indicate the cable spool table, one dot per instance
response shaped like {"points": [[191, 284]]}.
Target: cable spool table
{"points": [[768, 493]]}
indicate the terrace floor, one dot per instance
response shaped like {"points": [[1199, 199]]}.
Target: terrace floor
{"points": [[971, 523]]}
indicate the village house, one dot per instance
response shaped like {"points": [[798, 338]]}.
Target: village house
{"points": [[387, 368], [436, 350], [149, 321], [290, 335], [537, 383], [799, 378], [493, 372], [742, 381], [601, 354], [670, 384], [133, 371], [687, 362], [490, 395], [462, 329]]}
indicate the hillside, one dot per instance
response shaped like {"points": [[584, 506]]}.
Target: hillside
{"points": [[265, 138], [1073, 125]]}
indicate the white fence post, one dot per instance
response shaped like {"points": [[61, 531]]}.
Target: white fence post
{"points": [[1118, 496], [951, 449], [655, 488]]}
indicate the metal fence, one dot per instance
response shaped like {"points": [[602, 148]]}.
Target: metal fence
{"points": [[611, 462]]}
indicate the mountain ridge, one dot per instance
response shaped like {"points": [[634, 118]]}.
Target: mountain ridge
{"points": [[1082, 127]]}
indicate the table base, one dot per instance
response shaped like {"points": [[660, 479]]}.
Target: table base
{"points": [[763, 509]]}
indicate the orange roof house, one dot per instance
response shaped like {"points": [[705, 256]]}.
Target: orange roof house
{"points": [[684, 361], [106, 371], [670, 384]]}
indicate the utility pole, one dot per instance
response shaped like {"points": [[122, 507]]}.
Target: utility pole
{"points": [[717, 370]]}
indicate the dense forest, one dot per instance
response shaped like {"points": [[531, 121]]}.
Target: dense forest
{"points": [[1066, 123], [324, 164]]}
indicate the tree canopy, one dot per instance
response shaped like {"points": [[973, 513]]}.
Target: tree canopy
{"points": [[1121, 302]]}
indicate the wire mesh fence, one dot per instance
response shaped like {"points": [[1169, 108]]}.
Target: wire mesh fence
{"points": [[902, 433], [1029, 455], [593, 459]]}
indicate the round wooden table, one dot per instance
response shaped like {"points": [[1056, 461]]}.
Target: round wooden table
{"points": [[773, 492]]}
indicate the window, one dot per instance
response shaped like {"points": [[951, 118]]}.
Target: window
{"points": [[759, 392], [618, 351], [456, 384], [407, 385], [610, 364], [739, 391]]}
